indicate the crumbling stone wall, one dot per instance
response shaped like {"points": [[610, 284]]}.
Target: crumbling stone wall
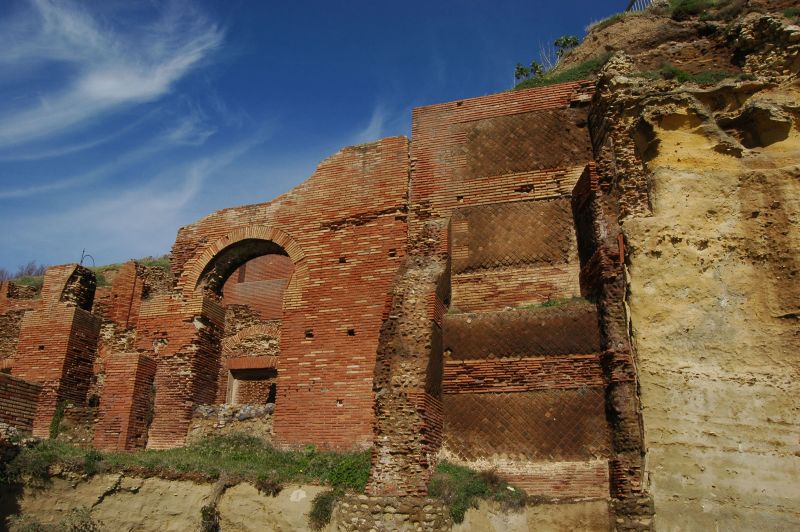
{"points": [[361, 513], [407, 393]]}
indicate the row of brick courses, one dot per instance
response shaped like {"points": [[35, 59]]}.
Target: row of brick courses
{"points": [[561, 479], [260, 284], [18, 400], [513, 254], [567, 329], [126, 403], [504, 288], [522, 374], [252, 387]]}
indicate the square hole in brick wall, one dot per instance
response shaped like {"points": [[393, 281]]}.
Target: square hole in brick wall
{"points": [[351, 332], [460, 199], [339, 402], [41, 348], [309, 333], [342, 260], [392, 252]]}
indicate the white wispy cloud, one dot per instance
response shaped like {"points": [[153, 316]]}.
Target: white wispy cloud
{"points": [[374, 129], [109, 68], [139, 219]]}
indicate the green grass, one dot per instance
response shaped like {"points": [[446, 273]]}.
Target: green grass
{"points": [[551, 303], [239, 456], [792, 13], [58, 416], [322, 508], [35, 281], [34, 462], [613, 19], [584, 70], [462, 488], [684, 9]]}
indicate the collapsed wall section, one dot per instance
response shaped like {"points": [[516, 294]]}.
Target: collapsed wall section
{"points": [[57, 342]]}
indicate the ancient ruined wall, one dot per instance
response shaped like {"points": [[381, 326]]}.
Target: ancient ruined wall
{"points": [[708, 185], [14, 301], [345, 231], [523, 389], [260, 284], [513, 254], [18, 401], [57, 341], [504, 147], [126, 406]]}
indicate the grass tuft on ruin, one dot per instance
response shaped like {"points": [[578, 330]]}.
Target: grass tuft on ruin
{"points": [[462, 488], [240, 457], [322, 508], [584, 70]]}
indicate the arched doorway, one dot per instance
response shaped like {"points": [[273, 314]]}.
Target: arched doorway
{"points": [[251, 279]]}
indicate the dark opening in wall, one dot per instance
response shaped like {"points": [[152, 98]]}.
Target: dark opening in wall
{"points": [[460, 199], [309, 333], [392, 252], [342, 260], [351, 332]]}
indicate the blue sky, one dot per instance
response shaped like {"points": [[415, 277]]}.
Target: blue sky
{"points": [[122, 121]]}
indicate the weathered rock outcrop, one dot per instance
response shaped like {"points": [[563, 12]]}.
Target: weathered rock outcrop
{"points": [[708, 186]]}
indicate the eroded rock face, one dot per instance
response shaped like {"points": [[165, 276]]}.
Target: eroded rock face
{"points": [[708, 184], [118, 502]]}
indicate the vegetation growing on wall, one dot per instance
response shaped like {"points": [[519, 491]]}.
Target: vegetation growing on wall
{"points": [[462, 488], [584, 70], [240, 457]]}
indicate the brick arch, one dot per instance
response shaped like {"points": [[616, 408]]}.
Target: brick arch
{"points": [[191, 278]]}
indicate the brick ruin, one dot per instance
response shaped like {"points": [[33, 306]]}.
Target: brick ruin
{"points": [[456, 296]]}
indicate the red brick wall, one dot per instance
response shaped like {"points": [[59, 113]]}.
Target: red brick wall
{"points": [[125, 404], [260, 284], [56, 349], [522, 374], [513, 254], [121, 302], [18, 401], [561, 479], [504, 147], [345, 230], [184, 338]]}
